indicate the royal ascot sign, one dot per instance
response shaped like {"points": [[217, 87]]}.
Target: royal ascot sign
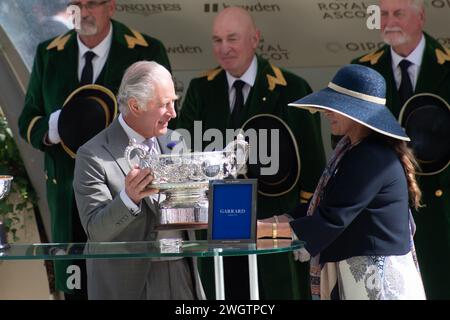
{"points": [[295, 34], [275, 52], [343, 9]]}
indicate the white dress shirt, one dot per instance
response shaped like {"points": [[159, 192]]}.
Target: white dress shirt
{"points": [[248, 77], [415, 57], [101, 51]]}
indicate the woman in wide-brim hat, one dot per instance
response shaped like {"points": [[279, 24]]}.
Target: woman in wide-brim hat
{"points": [[357, 227]]}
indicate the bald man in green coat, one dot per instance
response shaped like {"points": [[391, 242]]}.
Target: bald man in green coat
{"points": [[429, 73], [57, 71], [267, 90]]}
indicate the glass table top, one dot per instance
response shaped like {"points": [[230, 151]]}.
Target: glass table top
{"points": [[144, 249]]}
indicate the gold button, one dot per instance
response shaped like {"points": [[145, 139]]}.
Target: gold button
{"points": [[438, 193], [54, 181]]}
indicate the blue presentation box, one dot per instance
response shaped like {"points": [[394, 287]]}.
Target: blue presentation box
{"points": [[232, 210]]}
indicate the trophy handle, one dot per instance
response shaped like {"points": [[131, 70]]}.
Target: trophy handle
{"points": [[141, 151], [240, 148]]}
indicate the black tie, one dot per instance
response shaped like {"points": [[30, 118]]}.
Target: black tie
{"points": [[88, 71], [238, 102], [405, 91]]}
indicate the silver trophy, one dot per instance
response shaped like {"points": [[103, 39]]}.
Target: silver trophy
{"points": [[183, 179], [5, 187]]}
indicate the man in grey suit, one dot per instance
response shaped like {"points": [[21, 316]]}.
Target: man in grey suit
{"points": [[114, 203]]}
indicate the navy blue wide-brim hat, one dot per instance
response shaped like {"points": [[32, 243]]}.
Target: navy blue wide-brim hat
{"points": [[359, 93], [87, 111], [426, 119], [286, 152]]}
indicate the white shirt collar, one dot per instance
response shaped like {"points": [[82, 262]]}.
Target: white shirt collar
{"points": [[136, 136], [129, 131], [415, 56], [248, 77], [101, 50]]}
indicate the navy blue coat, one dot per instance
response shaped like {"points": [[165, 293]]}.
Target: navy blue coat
{"points": [[364, 210]]}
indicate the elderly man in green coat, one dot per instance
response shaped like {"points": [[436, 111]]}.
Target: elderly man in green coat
{"points": [[428, 68], [99, 52], [265, 89]]}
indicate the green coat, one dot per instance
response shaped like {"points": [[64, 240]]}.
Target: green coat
{"points": [[207, 100], [432, 237], [53, 78]]}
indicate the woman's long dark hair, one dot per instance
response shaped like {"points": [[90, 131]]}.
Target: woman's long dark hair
{"points": [[410, 165]]}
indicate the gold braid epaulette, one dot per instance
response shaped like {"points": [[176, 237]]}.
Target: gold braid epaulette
{"points": [[136, 39], [372, 57], [277, 79], [442, 56], [305, 196], [211, 74], [59, 42]]}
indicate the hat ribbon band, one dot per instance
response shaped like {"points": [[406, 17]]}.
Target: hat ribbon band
{"points": [[355, 94]]}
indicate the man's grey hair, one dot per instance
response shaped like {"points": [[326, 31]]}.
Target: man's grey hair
{"points": [[138, 82]]}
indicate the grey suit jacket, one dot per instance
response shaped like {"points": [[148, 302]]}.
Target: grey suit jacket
{"points": [[100, 171]]}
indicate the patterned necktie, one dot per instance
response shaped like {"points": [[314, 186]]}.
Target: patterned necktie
{"points": [[405, 91], [238, 102], [151, 144], [87, 74]]}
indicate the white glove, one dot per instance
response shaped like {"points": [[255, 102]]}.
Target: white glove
{"points": [[301, 254], [53, 134]]}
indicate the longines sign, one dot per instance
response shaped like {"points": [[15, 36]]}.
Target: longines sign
{"points": [[148, 8]]}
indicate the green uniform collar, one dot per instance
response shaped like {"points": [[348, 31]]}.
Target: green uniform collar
{"points": [[122, 35]]}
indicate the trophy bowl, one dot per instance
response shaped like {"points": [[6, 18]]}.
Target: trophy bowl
{"points": [[183, 179], [5, 185]]}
